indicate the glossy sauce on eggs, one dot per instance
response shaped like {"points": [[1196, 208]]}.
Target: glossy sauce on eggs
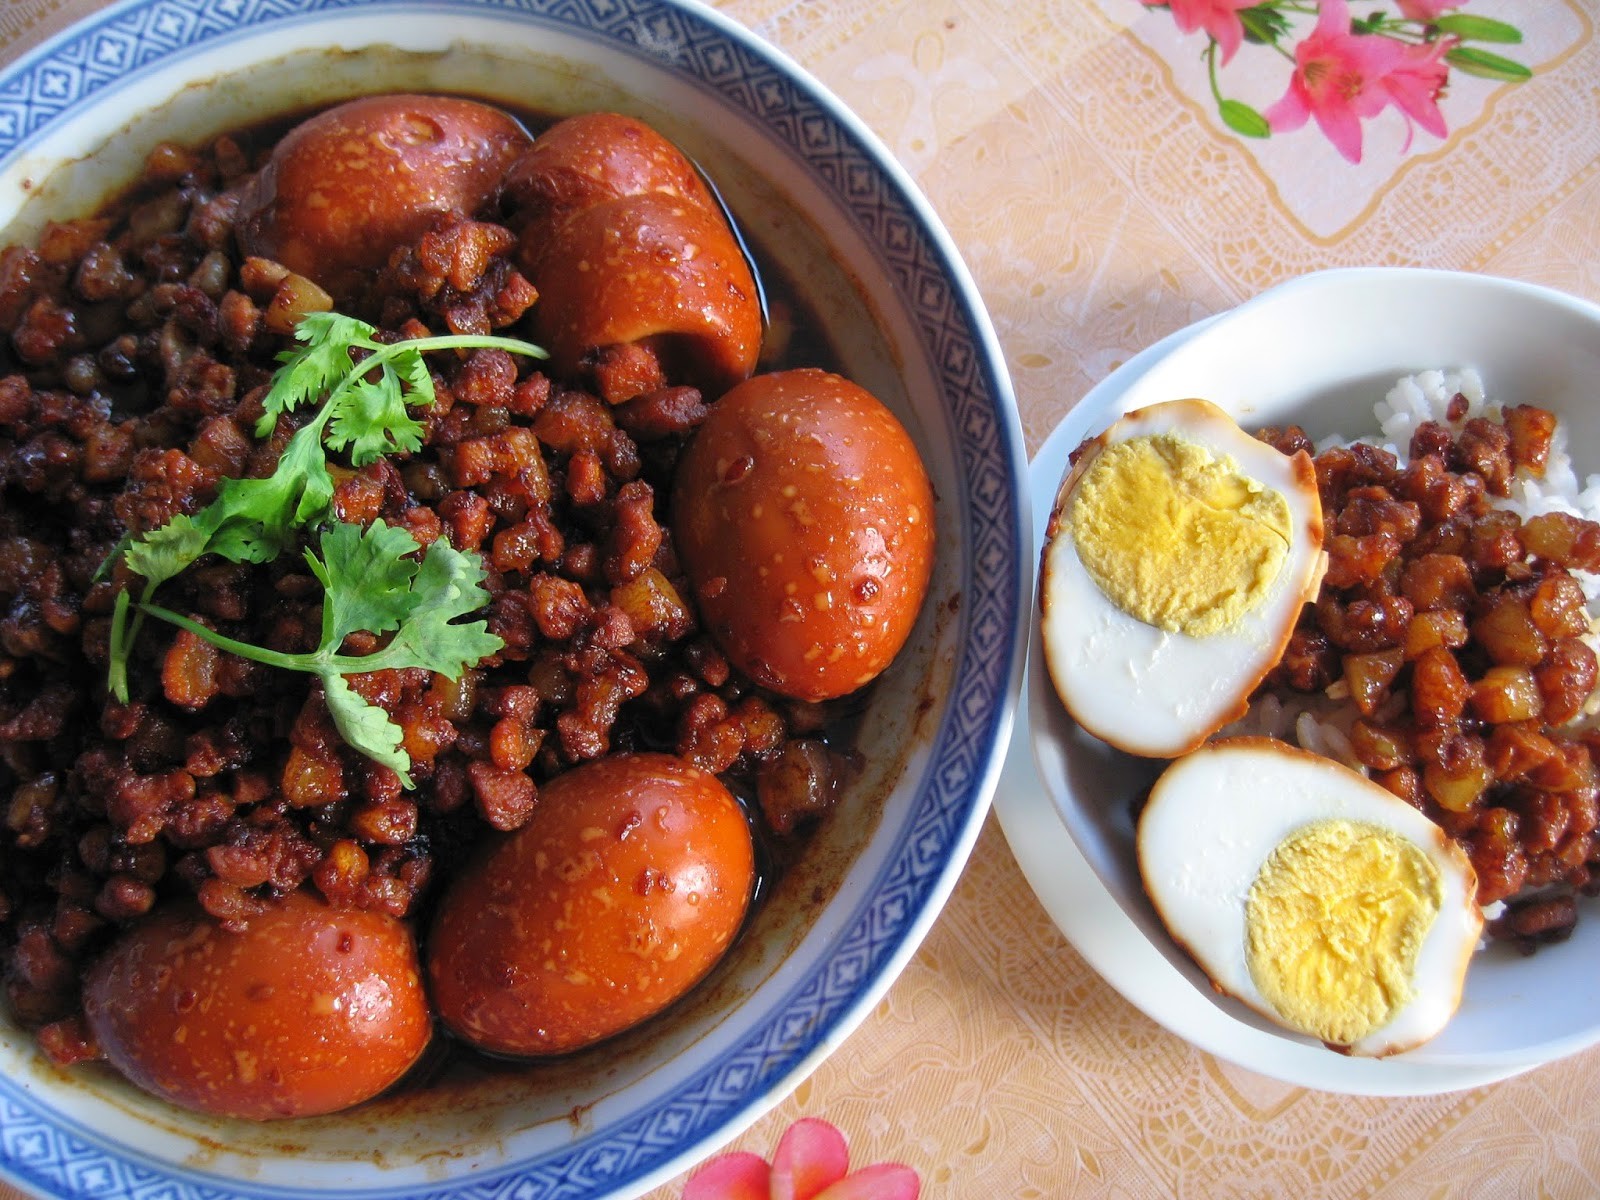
{"points": [[787, 875]]}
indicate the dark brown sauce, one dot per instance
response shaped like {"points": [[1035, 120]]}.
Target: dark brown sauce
{"points": [[451, 1073]]}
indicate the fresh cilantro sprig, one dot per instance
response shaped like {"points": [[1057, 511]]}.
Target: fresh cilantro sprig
{"points": [[373, 583], [365, 414]]}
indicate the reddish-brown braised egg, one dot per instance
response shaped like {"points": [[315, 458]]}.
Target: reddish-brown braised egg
{"points": [[804, 518], [625, 887], [346, 187], [655, 270], [628, 247], [308, 1010], [592, 158]]}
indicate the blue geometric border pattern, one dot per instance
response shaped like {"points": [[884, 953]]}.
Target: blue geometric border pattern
{"points": [[42, 1151]]}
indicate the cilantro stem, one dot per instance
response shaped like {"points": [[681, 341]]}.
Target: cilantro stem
{"points": [[261, 654], [314, 662], [455, 341], [383, 352], [117, 676], [362, 411], [123, 635]]}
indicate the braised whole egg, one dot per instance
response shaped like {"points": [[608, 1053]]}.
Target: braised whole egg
{"points": [[805, 520], [625, 887], [1176, 561], [1310, 893], [304, 1010]]}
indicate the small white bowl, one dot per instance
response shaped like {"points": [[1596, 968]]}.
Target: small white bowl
{"points": [[829, 205], [1320, 352]]}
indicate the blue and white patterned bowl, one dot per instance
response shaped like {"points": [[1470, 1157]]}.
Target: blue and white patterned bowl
{"points": [[821, 196]]}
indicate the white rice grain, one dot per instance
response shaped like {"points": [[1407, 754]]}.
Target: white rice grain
{"points": [[1426, 396]]}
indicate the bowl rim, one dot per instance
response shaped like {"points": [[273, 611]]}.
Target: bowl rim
{"points": [[884, 926]]}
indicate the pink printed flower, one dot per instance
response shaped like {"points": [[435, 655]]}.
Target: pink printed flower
{"points": [[1427, 10], [1338, 79], [1415, 87], [1414, 84], [812, 1162], [1219, 18]]}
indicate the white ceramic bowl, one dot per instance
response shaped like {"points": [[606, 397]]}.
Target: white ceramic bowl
{"points": [[1320, 351], [826, 202]]}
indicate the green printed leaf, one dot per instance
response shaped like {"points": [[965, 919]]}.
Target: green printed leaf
{"points": [[1242, 119], [1263, 24], [1478, 29], [1486, 65]]}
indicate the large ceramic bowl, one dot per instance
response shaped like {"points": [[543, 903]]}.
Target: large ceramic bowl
{"points": [[826, 205], [1320, 352]]}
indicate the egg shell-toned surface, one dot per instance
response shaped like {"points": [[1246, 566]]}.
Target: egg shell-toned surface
{"points": [[649, 266], [804, 517], [1143, 689], [343, 189], [626, 243], [307, 1010], [1210, 823], [624, 888], [592, 157]]}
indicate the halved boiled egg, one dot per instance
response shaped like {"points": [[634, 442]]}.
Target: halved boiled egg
{"points": [[1176, 562], [1310, 893]]}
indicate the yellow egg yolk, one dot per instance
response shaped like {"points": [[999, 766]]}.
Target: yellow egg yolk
{"points": [[1334, 922], [1176, 535]]}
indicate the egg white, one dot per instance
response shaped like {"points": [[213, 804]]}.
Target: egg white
{"points": [[1141, 688], [1214, 817]]}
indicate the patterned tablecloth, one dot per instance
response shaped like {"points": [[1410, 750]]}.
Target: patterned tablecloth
{"points": [[1093, 161]]}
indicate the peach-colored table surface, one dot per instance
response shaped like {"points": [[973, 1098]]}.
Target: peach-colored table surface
{"points": [[1079, 157]]}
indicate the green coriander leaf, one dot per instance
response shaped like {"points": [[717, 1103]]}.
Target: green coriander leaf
{"points": [[372, 582], [307, 374], [365, 726], [159, 554], [367, 575], [309, 464], [448, 585], [412, 368], [371, 578], [370, 420], [257, 518]]}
